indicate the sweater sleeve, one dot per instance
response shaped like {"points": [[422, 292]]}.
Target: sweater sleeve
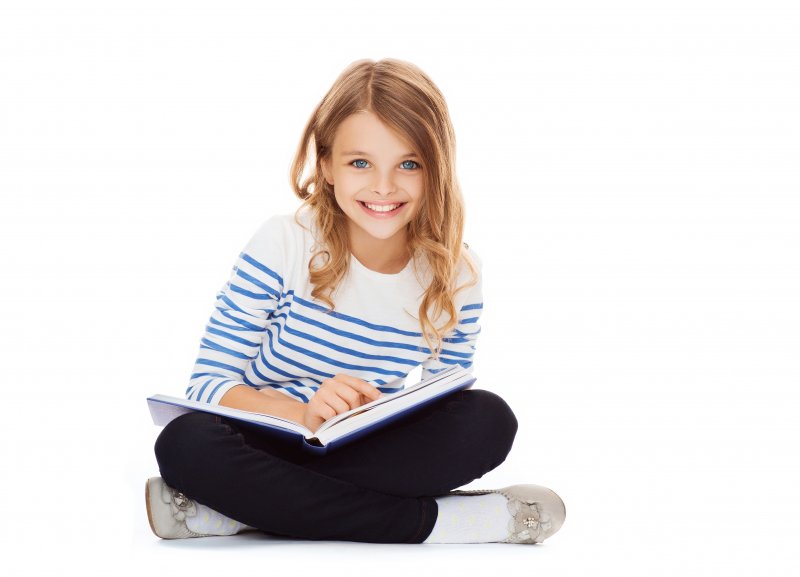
{"points": [[459, 344], [238, 324]]}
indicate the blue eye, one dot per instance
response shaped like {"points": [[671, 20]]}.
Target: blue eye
{"points": [[415, 163]]}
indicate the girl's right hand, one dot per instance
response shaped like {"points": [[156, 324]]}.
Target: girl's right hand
{"points": [[335, 396]]}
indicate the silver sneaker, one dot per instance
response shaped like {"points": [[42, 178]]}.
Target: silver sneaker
{"points": [[537, 512], [167, 510]]}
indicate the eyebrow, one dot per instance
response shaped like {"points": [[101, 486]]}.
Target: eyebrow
{"points": [[362, 153]]}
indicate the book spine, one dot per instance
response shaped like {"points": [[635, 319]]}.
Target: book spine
{"points": [[314, 447]]}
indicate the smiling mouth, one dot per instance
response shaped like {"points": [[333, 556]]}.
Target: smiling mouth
{"points": [[382, 204], [398, 206]]}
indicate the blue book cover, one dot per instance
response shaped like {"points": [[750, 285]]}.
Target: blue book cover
{"points": [[336, 431]]}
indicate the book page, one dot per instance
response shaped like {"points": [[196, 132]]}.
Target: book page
{"points": [[164, 408], [379, 410], [388, 397]]}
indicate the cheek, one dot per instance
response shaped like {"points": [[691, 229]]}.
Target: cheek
{"points": [[417, 191], [347, 180]]}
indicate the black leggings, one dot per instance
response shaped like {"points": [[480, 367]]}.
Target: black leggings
{"points": [[377, 489]]}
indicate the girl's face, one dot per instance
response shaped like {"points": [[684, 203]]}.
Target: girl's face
{"points": [[370, 164]]}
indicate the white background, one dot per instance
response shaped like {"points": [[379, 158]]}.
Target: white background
{"points": [[631, 176]]}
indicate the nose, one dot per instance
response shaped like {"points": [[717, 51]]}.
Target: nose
{"points": [[384, 182]]}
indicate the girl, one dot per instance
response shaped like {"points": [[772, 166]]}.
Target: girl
{"points": [[378, 241]]}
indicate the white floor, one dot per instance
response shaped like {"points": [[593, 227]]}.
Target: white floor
{"points": [[649, 504], [630, 171]]}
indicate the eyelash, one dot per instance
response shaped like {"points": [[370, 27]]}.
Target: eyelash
{"points": [[417, 167]]}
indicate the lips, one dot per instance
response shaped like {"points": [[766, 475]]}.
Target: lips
{"points": [[384, 214], [381, 203]]}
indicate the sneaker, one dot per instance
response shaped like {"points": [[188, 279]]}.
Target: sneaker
{"points": [[537, 512], [167, 509]]}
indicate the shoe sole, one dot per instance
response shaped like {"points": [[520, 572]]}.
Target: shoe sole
{"points": [[149, 512]]}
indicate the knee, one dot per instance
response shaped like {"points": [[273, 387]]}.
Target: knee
{"points": [[180, 437], [494, 420]]}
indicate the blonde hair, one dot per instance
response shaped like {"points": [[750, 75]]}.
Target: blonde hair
{"points": [[406, 100]]}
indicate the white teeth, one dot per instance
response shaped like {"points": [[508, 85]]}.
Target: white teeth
{"points": [[377, 208]]}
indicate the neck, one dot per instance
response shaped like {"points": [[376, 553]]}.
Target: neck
{"points": [[387, 256]]}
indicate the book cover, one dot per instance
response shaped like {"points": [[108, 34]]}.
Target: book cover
{"points": [[336, 431]]}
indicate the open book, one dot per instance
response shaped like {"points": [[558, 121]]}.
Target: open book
{"points": [[337, 430]]}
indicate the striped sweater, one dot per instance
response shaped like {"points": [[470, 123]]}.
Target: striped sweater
{"points": [[267, 330]]}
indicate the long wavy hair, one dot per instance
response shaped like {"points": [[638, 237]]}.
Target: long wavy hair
{"points": [[405, 99]]}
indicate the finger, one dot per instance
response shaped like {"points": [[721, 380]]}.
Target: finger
{"points": [[353, 398], [321, 412], [362, 386], [350, 396], [369, 391], [344, 390], [331, 398], [362, 396], [367, 398], [349, 388]]}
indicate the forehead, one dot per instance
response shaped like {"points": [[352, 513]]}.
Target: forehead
{"points": [[365, 133]]}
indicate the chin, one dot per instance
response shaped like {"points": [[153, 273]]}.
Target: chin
{"points": [[383, 234]]}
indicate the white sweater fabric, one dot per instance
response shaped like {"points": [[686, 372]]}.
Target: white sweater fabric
{"points": [[267, 330]]}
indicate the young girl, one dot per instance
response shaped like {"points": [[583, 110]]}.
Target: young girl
{"points": [[330, 307]]}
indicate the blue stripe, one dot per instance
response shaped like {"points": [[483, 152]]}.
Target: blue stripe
{"points": [[456, 339], [267, 365], [354, 352], [209, 362], [276, 369], [387, 389], [237, 289], [361, 338], [272, 293], [457, 354], [214, 321], [198, 375], [211, 345], [293, 362], [330, 360], [250, 294], [203, 388], [342, 316], [412, 363], [283, 386], [450, 362], [305, 367], [234, 338], [214, 392], [225, 326], [473, 333], [301, 385], [297, 394], [262, 267], [232, 305]]}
